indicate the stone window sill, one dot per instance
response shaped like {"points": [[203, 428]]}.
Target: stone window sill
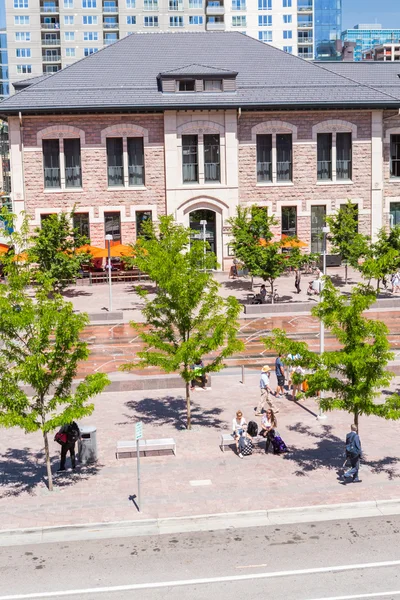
{"points": [[275, 183], [127, 188], [64, 190], [337, 182]]}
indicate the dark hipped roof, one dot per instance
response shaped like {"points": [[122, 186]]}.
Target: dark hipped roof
{"points": [[123, 76], [199, 70], [24, 83]]}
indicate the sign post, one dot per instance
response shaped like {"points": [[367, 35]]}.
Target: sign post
{"points": [[138, 435]]}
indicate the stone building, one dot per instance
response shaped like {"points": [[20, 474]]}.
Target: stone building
{"points": [[194, 124]]}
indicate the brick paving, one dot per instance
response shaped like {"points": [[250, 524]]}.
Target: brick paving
{"points": [[306, 476]]}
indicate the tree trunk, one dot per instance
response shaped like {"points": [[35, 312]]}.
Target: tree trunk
{"points": [[48, 465], [272, 291], [251, 283], [356, 418], [377, 284], [345, 273], [188, 407]]}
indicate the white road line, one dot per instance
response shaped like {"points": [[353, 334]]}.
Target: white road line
{"points": [[210, 580], [361, 596]]}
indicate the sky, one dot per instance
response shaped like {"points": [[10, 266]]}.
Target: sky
{"points": [[371, 11]]}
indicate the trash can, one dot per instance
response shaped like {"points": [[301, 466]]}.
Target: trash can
{"points": [[88, 444]]}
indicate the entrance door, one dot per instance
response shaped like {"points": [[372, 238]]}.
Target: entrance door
{"points": [[194, 221]]}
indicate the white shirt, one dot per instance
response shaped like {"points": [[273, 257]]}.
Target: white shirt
{"points": [[264, 381], [236, 425]]}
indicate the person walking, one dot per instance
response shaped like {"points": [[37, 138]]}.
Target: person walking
{"points": [[280, 376], [353, 453], [297, 280], [67, 437], [265, 391]]}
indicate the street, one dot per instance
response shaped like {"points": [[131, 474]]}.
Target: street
{"points": [[326, 560]]}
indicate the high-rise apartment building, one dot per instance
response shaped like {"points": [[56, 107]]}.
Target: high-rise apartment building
{"points": [[367, 36], [4, 83], [46, 35]]}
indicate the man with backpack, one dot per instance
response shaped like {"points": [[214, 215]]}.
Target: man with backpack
{"points": [[67, 437], [353, 453]]}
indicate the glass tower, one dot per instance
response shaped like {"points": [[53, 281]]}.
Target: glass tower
{"points": [[4, 83], [327, 29]]}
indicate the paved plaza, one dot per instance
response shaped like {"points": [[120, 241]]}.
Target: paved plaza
{"points": [[200, 479]]}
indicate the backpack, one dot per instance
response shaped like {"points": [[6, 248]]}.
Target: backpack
{"points": [[245, 446], [351, 449], [73, 433], [252, 428]]}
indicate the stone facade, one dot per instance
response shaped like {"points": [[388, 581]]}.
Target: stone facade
{"points": [[371, 187]]}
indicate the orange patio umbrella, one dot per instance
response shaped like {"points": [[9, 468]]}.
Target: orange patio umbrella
{"points": [[119, 250], [293, 243], [88, 248]]}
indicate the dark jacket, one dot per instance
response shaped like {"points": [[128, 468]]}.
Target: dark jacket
{"points": [[73, 432], [353, 438]]}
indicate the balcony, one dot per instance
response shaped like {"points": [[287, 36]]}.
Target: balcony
{"points": [[49, 8], [264, 171], [111, 24], [212, 172], [305, 8], [215, 9], [52, 178], [51, 68], [110, 8], [73, 177], [51, 41], [324, 170], [284, 171], [304, 24], [343, 169], [52, 25], [215, 26], [302, 40], [136, 175], [52, 58]]}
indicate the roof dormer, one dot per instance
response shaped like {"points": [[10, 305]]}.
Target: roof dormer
{"points": [[196, 78]]}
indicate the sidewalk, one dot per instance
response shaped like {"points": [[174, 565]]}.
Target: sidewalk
{"points": [[200, 479]]}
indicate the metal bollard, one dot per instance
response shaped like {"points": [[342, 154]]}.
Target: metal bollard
{"points": [[242, 373]]}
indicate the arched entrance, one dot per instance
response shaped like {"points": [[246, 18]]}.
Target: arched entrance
{"points": [[195, 218]]}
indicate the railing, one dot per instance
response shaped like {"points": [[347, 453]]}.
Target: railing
{"points": [[51, 42], [190, 173], [304, 8], [284, 171], [107, 42], [115, 176], [304, 24], [212, 172], [50, 25], [305, 40], [49, 9], [53, 58], [52, 178], [136, 174], [110, 9], [343, 169], [264, 171], [219, 26], [73, 177], [395, 167], [110, 25], [324, 169], [215, 10]]}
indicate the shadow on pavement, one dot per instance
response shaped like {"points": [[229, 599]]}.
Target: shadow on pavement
{"points": [[172, 411], [238, 284], [21, 471], [75, 293]]}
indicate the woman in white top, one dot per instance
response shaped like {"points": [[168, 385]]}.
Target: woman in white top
{"points": [[298, 378], [238, 427]]}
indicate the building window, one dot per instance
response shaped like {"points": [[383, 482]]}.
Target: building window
{"points": [[131, 20], [68, 20], [70, 52], [264, 158], [110, 38], [265, 36], [288, 49], [89, 3], [212, 163], [394, 214], [21, 4], [150, 21], [23, 52], [51, 163], [89, 20], [69, 36], [176, 21], [130, 3], [238, 4], [24, 69], [284, 157], [190, 161], [115, 162], [239, 21], [196, 20], [90, 36], [89, 51], [112, 225], [150, 4], [213, 85], [22, 36], [318, 219], [264, 4], [142, 217], [287, 35], [287, 19], [287, 3], [289, 221], [81, 224], [186, 85], [343, 156], [72, 157], [21, 20], [135, 161], [264, 20], [324, 156], [395, 156], [196, 4], [68, 3]]}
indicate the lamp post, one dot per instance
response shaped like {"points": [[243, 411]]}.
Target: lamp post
{"points": [[203, 222], [109, 238], [325, 231]]}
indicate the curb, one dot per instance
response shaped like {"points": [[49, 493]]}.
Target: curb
{"points": [[211, 522]]}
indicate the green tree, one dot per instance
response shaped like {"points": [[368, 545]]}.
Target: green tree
{"points": [[352, 377], [383, 258], [187, 319], [253, 244], [344, 235], [39, 354], [52, 250]]}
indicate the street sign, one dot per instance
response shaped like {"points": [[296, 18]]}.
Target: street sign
{"points": [[139, 430]]}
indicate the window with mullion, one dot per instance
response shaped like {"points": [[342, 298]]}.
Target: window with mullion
{"points": [[72, 155], [115, 162], [289, 221], [81, 224], [51, 163], [284, 157], [190, 159], [264, 158], [212, 163], [136, 161], [395, 156], [343, 156], [112, 225], [324, 156]]}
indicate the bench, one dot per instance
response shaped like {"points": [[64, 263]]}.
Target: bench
{"points": [[127, 449], [228, 440]]}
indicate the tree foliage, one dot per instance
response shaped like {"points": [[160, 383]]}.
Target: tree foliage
{"points": [[383, 258], [187, 319], [352, 377]]}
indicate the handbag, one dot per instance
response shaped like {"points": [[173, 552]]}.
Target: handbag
{"points": [[304, 386], [61, 438]]}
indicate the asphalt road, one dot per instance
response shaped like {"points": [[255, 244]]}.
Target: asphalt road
{"points": [[327, 560]]}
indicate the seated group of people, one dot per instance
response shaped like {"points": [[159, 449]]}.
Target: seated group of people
{"points": [[243, 433]]}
